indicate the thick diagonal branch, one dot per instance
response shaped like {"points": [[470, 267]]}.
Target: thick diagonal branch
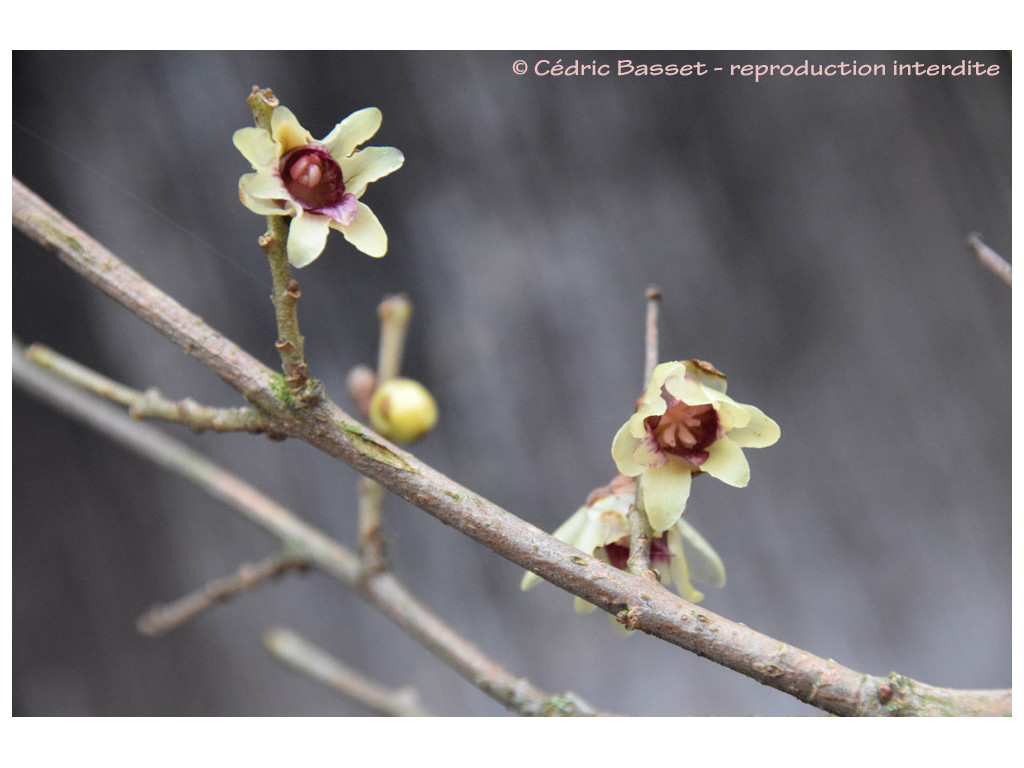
{"points": [[650, 608]]}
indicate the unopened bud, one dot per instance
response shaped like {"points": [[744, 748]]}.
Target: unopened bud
{"points": [[361, 384], [403, 410]]}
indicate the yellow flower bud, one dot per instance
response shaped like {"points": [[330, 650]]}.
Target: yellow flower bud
{"points": [[403, 410]]}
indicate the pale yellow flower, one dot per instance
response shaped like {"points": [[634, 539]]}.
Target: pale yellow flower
{"points": [[601, 528], [685, 424], [317, 183]]}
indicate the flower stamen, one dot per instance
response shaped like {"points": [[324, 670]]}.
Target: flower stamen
{"points": [[686, 430], [313, 177], [306, 172]]}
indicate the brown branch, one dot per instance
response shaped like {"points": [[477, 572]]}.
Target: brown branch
{"points": [[990, 259], [161, 619], [382, 590], [149, 404], [652, 609], [298, 653], [42, 223]]}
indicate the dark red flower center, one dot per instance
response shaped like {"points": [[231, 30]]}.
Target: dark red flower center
{"points": [[618, 552], [312, 177], [685, 430]]}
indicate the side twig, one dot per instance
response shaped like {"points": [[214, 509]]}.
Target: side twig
{"points": [[641, 533], [382, 590], [149, 404], [161, 619], [819, 682], [300, 654], [651, 339], [395, 313], [990, 259]]}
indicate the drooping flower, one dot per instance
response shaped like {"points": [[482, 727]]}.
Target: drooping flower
{"points": [[601, 528], [317, 183], [684, 425]]}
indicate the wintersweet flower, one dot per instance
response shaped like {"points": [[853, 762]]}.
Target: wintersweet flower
{"points": [[601, 528], [317, 183], [684, 425]]}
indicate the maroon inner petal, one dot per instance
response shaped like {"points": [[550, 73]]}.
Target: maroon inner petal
{"points": [[312, 177], [618, 552], [685, 430]]}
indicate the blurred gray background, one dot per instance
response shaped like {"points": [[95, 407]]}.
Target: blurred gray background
{"points": [[807, 234]]}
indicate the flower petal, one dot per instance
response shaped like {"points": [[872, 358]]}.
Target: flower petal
{"points": [[759, 432], [704, 563], [260, 204], [344, 212], [706, 374], [287, 130], [689, 390], [352, 131], [623, 447], [679, 569], [263, 185], [256, 145], [727, 463], [530, 580], [582, 606], [732, 415], [661, 372], [649, 454], [664, 491], [369, 165], [569, 531], [307, 236], [365, 232], [652, 403], [598, 532]]}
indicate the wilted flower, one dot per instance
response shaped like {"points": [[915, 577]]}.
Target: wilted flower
{"points": [[318, 183], [685, 424], [601, 528]]}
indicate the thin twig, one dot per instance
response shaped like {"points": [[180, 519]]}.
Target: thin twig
{"points": [[149, 404], [394, 312], [651, 346], [290, 343], [361, 383], [989, 258], [161, 619], [297, 652], [641, 533], [371, 542], [382, 590], [819, 682]]}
